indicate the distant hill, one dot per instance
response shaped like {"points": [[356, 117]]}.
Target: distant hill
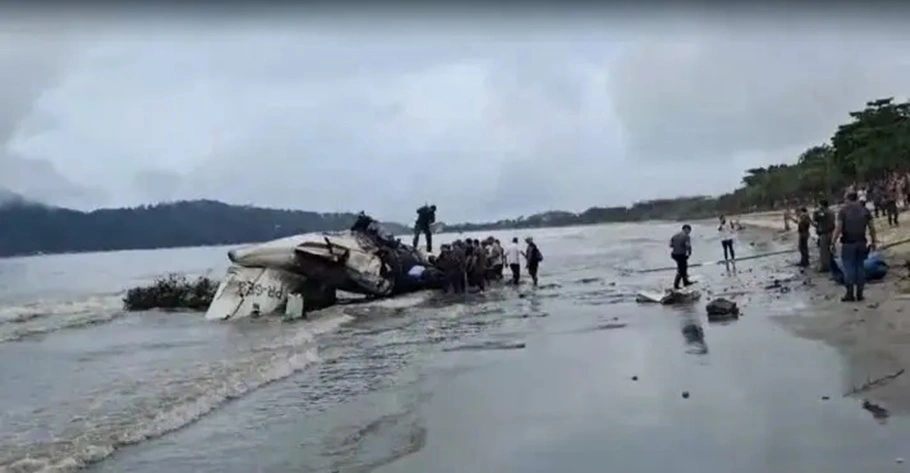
{"points": [[660, 209], [9, 197], [29, 228]]}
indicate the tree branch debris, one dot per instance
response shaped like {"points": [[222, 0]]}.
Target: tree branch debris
{"points": [[874, 383]]}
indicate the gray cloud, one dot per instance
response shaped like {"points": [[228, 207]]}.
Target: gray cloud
{"points": [[32, 61], [485, 121], [708, 97]]}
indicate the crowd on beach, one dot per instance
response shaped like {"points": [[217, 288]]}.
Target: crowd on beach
{"points": [[850, 225], [471, 263]]}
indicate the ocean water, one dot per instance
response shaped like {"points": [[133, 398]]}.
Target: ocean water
{"points": [[571, 376]]}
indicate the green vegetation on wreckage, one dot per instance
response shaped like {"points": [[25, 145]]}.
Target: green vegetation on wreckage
{"points": [[173, 291], [28, 228], [874, 144]]}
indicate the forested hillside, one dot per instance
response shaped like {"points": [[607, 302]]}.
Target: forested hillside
{"points": [[29, 228]]}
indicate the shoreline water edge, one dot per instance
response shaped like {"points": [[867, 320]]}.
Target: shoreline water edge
{"points": [[873, 336]]}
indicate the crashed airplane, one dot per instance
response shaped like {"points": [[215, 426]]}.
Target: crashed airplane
{"points": [[308, 269]]}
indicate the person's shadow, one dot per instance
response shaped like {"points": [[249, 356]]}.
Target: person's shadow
{"points": [[693, 332]]}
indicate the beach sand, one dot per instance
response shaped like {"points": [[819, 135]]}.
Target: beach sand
{"points": [[873, 335]]}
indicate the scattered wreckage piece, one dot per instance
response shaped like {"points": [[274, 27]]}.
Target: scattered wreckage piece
{"points": [[668, 297], [722, 310]]}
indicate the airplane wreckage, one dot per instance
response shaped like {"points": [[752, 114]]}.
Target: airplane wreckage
{"points": [[304, 272]]}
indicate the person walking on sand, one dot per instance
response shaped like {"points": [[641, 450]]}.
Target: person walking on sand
{"points": [[728, 236], [890, 204], [680, 251], [513, 259], [853, 219], [823, 219]]}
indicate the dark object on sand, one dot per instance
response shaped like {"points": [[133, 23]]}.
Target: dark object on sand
{"points": [[173, 291], [668, 297], [721, 309], [877, 411]]}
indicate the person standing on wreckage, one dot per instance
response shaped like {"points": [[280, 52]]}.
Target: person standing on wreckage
{"points": [[426, 217], [853, 219]]}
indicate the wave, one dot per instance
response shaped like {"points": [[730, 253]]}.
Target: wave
{"points": [[183, 397], [41, 317], [182, 401]]}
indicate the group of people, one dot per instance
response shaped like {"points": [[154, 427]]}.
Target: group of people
{"points": [[472, 263], [848, 227], [886, 196]]}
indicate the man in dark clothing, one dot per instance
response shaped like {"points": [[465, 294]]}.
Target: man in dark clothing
{"points": [[853, 219], [478, 273], [533, 256], [803, 224], [680, 251], [878, 199], [426, 216], [823, 219], [455, 273], [891, 205], [445, 264]]}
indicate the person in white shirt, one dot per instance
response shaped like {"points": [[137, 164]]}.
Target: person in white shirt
{"points": [[728, 236], [513, 259]]}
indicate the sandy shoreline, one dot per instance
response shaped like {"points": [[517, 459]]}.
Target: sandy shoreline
{"points": [[874, 335]]}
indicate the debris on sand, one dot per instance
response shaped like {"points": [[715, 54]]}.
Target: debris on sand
{"points": [[779, 282], [488, 346], [874, 383], [173, 291], [721, 309], [668, 297], [611, 326], [878, 412]]}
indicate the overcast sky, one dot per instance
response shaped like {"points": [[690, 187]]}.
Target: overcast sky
{"points": [[486, 118]]}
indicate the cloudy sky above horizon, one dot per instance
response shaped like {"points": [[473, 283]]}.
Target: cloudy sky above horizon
{"points": [[486, 118]]}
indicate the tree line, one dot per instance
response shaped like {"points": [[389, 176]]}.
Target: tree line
{"points": [[871, 146], [28, 228]]}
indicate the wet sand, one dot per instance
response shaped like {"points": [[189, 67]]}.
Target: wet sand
{"points": [[874, 335]]}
